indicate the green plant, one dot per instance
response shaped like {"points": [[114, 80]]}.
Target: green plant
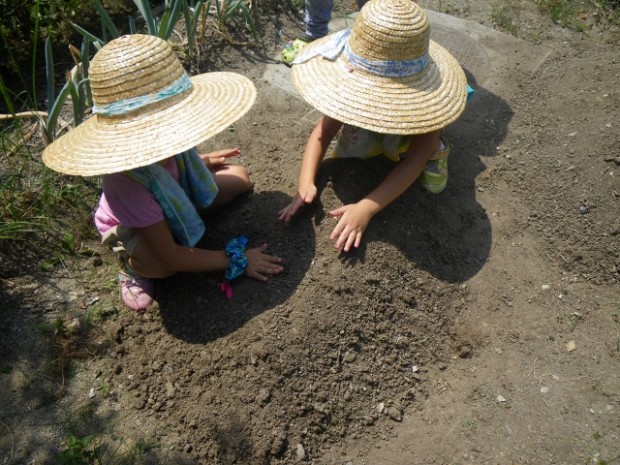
{"points": [[193, 15], [226, 11], [96, 450], [162, 28], [296, 4], [502, 17], [78, 451], [565, 12], [594, 451]]}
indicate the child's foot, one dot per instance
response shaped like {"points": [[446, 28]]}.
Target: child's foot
{"points": [[136, 291], [292, 49], [435, 174]]}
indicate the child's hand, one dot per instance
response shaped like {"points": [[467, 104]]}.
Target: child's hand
{"points": [[302, 198], [218, 157], [260, 264], [353, 221]]}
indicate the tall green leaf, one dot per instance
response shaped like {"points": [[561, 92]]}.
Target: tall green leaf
{"points": [[52, 117], [6, 97], [85, 70], [248, 17], [170, 18], [35, 39], [163, 23], [106, 20], [75, 100], [49, 73], [132, 26], [96, 41], [147, 14]]}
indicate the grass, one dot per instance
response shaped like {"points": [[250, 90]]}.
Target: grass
{"points": [[95, 449], [593, 451], [42, 212], [575, 14], [502, 17]]}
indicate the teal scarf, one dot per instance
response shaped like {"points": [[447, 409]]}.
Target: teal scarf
{"points": [[181, 200]]}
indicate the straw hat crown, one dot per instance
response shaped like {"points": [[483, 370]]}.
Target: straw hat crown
{"points": [[132, 66], [385, 74], [392, 30], [146, 109]]}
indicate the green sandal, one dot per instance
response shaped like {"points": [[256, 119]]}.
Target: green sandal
{"points": [[292, 49], [435, 174]]}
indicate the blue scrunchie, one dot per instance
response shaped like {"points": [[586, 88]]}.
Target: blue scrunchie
{"points": [[238, 261]]}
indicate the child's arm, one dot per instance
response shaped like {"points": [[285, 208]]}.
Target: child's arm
{"points": [[354, 218], [317, 144], [158, 255]]}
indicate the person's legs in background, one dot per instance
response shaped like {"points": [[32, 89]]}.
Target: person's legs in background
{"points": [[317, 16]]}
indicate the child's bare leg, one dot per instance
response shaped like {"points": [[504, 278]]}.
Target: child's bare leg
{"points": [[144, 262], [231, 180]]}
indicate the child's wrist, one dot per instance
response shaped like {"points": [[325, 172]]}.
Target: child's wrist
{"points": [[238, 262], [371, 207]]}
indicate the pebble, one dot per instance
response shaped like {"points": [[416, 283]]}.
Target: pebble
{"points": [[264, 396], [91, 393], [394, 414], [380, 407], [570, 346], [300, 452], [544, 390], [170, 390], [583, 209], [74, 325], [465, 351], [545, 287], [501, 399]]}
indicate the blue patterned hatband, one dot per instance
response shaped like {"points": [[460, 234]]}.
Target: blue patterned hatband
{"points": [[122, 107], [339, 43]]}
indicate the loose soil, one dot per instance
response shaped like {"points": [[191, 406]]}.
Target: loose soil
{"points": [[481, 325]]}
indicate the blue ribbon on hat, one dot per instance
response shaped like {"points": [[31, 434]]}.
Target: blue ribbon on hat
{"points": [[339, 43], [121, 107]]}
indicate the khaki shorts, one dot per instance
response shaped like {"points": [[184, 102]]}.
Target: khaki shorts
{"points": [[121, 240]]}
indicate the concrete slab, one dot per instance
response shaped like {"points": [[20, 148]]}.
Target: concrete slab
{"points": [[482, 51]]}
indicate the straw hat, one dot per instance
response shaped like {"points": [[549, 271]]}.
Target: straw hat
{"points": [[384, 75], [146, 109]]}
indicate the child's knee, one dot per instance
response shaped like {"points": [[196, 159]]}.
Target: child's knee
{"points": [[243, 178]]}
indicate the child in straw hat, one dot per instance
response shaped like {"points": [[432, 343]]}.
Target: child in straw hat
{"points": [[148, 117], [391, 90]]}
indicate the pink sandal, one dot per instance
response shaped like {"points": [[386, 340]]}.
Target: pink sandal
{"points": [[136, 291]]}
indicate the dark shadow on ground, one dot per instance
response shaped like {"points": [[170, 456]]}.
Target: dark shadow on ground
{"points": [[191, 305], [448, 235]]}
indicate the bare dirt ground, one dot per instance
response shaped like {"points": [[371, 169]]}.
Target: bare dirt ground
{"points": [[479, 326]]}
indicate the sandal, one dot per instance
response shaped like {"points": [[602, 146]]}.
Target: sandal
{"points": [[291, 50], [435, 175], [136, 291]]}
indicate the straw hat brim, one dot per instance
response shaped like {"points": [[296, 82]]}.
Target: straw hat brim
{"points": [[418, 104], [110, 145]]}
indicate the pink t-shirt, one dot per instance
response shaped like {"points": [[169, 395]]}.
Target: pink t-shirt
{"points": [[127, 202]]}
